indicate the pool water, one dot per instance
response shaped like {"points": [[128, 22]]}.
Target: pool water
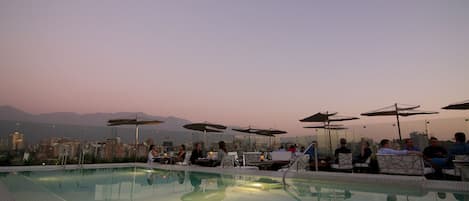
{"points": [[139, 184]]}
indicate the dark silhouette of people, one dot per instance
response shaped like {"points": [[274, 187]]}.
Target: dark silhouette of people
{"points": [[196, 153]]}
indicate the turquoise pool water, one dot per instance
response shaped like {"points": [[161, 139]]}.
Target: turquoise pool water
{"points": [[138, 184]]}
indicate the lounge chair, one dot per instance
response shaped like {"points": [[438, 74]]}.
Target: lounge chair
{"points": [[228, 161], [402, 164]]}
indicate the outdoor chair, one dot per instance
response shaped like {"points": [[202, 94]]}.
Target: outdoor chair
{"points": [[249, 158], [362, 166], [345, 162], [281, 155], [456, 171], [235, 155], [402, 164], [228, 161]]}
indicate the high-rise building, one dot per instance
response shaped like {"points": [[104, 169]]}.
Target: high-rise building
{"points": [[16, 141]]}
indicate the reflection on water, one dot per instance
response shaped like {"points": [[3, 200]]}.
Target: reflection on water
{"points": [[137, 184]]}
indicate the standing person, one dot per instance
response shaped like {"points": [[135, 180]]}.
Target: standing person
{"points": [[409, 145], [196, 153], [181, 153], [222, 152]]}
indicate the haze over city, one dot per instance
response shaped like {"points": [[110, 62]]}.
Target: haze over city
{"points": [[246, 63]]}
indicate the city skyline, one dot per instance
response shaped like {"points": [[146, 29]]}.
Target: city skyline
{"points": [[245, 63]]}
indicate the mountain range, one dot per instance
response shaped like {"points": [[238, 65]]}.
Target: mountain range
{"points": [[96, 119], [87, 126]]}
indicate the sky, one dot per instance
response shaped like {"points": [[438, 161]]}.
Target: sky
{"points": [[261, 63]]}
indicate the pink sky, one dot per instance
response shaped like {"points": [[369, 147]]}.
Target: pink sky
{"points": [[245, 63]]}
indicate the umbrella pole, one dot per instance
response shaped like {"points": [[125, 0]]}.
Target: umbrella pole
{"points": [[398, 123], [205, 140], [330, 139], [136, 142]]}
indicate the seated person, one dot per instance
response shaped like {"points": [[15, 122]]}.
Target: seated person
{"points": [[282, 148], [342, 149], [292, 149], [196, 153], [386, 149], [222, 152], [152, 154], [181, 154], [409, 145], [459, 147], [435, 154], [365, 152]]}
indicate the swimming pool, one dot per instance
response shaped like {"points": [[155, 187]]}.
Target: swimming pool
{"points": [[144, 184]]}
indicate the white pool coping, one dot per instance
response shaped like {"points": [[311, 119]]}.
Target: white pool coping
{"points": [[416, 182]]}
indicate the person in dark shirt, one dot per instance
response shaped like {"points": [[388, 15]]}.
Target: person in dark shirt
{"points": [[342, 148], [459, 147], [365, 152], [435, 155], [434, 150], [196, 153], [181, 154]]}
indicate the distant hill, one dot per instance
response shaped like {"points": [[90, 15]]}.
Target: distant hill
{"points": [[91, 127], [9, 113]]}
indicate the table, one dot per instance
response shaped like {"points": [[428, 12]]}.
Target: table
{"points": [[206, 162], [270, 164]]}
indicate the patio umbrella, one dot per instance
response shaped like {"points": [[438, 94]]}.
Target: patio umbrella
{"points": [[326, 119], [464, 105], [136, 122], [206, 128], [265, 132], [332, 127], [398, 110]]}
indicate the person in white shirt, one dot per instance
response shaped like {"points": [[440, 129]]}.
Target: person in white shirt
{"points": [[386, 149], [152, 153]]}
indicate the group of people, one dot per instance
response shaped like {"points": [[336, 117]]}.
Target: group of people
{"points": [[434, 155], [197, 153], [154, 155]]}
